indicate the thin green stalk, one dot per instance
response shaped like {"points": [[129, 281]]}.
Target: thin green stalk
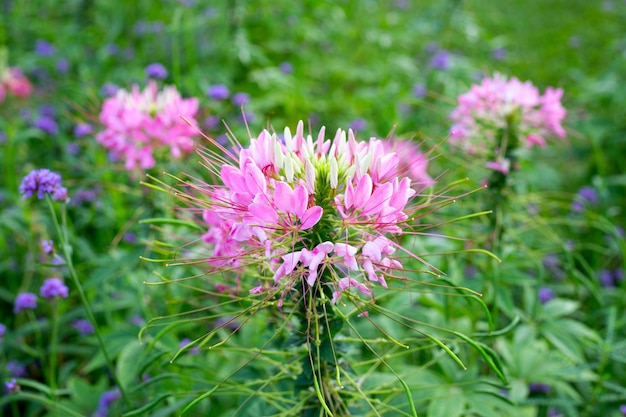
{"points": [[54, 332], [66, 249]]}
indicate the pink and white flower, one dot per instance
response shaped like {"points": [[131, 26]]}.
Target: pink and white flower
{"points": [[309, 214], [139, 122], [498, 103], [14, 82]]}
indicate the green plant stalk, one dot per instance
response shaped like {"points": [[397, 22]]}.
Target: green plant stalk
{"points": [[65, 247], [54, 335]]}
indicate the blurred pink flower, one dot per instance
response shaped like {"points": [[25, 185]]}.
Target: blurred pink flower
{"points": [[307, 212], [14, 82], [498, 103], [140, 122]]}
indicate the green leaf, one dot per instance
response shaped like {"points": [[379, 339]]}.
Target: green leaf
{"points": [[129, 363], [559, 307], [449, 402]]}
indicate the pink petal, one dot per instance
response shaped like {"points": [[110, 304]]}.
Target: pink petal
{"points": [[363, 191], [311, 217]]}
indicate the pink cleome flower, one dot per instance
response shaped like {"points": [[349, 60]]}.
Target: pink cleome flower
{"points": [[14, 82], [307, 212], [498, 103], [139, 122]]}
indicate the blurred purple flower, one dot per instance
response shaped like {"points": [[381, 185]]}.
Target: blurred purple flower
{"points": [[3, 137], [212, 122], [63, 65], [47, 110], [156, 70], [218, 92], [25, 301], [47, 124], [419, 90], [577, 206], [44, 48], [440, 60], [83, 129], [193, 351], [111, 49], [130, 237], [553, 412], [241, 99], [431, 47], [619, 231], [26, 115], [606, 278], [84, 196], [128, 53], [141, 27], [622, 409], [286, 67], [11, 386], [498, 54], [588, 194], [109, 89], [106, 399], [157, 27], [552, 263], [535, 387], [15, 369], [3, 330], [41, 182], [247, 117], [47, 246], [545, 295], [84, 327], [137, 320], [358, 124], [53, 287]]}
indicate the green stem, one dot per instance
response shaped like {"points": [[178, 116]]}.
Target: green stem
{"points": [[54, 332], [66, 249]]}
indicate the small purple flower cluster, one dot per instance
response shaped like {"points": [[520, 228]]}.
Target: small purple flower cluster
{"points": [[40, 182], [106, 399], [51, 288]]}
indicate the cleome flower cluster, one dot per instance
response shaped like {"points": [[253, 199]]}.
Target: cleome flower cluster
{"points": [[138, 122], [13, 82], [309, 212], [499, 103]]}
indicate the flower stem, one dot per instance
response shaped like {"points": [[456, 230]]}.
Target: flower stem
{"points": [[67, 253]]}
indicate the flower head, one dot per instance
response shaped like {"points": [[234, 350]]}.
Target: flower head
{"points": [[218, 92], [309, 212], [47, 124], [83, 129], [11, 386], [241, 99], [40, 182], [156, 70], [139, 122], [13, 81], [3, 330], [106, 399], [53, 287], [47, 246], [84, 327], [545, 294], [25, 301], [499, 103]]}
